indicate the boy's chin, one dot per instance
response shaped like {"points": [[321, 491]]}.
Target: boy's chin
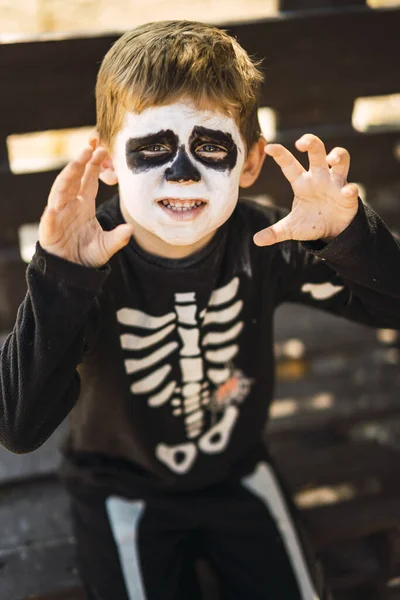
{"points": [[184, 238], [182, 241]]}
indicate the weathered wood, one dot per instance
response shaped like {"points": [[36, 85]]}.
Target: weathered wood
{"points": [[37, 552], [44, 460], [60, 75], [373, 162], [24, 198], [36, 545], [71, 594], [310, 462], [317, 4], [4, 163], [347, 410], [311, 325], [350, 564], [353, 519], [38, 569], [12, 287]]}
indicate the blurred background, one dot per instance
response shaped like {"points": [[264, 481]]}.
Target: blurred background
{"points": [[332, 67]]}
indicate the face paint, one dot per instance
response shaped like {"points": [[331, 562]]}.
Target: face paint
{"points": [[178, 155], [182, 169], [139, 160], [202, 137]]}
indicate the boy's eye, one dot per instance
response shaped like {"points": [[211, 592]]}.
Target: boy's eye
{"points": [[212, 151], [154, 149]]}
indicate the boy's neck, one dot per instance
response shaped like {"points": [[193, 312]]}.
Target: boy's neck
{"points": [[155, 245]]}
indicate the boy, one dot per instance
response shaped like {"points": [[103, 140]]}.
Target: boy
{"points": [[149, 322]]}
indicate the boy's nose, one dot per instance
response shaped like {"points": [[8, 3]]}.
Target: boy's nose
{"points": [[182, 170]]}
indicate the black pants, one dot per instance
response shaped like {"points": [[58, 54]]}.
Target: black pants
{"points": [[146, 549]]}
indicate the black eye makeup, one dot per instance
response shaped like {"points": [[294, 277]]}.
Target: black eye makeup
{"points": [[145, 153], [214, 148]]}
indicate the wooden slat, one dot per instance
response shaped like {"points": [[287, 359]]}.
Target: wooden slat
{"points": [[39, 558], [12, 290], [44, 460], [342, 417], [295, 321], [4, 163], [76, 593], [373, 161], [294, 78], [338, 114], [313, 462], [23, 197], [55, 83], [353, 519], [318, 4]]}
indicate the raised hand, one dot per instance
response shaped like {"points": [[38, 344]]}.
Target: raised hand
{"points": [[324, 203], [68, 226]]}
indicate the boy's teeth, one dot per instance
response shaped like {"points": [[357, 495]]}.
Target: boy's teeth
{"points": [[181, 205]]}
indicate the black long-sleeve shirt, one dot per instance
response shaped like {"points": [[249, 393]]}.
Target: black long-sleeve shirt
{"points": [[165, 366]]}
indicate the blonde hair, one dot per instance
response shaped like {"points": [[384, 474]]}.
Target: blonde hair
{"points": [[161, 62]]}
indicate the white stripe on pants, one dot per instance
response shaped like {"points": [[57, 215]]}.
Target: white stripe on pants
{"points": [[263, 483], [124, 516]]}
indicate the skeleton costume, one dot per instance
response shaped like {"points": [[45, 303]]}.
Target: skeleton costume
{"points": [[165, 369]]}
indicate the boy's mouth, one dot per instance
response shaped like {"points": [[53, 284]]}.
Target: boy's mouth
{"points": [[182, 210]]}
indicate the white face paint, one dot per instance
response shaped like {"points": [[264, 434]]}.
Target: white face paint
{"points": [[178, 152]]}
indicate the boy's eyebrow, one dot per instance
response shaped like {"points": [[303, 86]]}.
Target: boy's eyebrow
{"points": [[164, 135], [216, 135]]}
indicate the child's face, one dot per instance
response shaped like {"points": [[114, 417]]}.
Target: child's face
{"points": [[178, 154]]}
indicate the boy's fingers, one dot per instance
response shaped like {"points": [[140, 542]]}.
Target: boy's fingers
{"points": [[117, 238], [339, 160], [90, 180], [279, 232], [350, 190], [68, 181], [316, 150], [291, 168]]}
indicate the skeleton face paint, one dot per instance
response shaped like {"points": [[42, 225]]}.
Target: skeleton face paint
{"points": [[178, 170]]}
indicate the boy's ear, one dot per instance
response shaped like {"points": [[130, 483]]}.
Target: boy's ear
{"points": [[254, 161], [107, 171]]}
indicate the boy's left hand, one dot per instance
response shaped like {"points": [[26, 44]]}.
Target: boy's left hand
{"points": [[324, 203]]}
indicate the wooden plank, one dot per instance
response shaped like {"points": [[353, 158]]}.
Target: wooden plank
{"points": [[44, 460], [312, 115], [319, 330], [317, 4], [76, 593], [23, 197], [312, 462], [39, 569], [373, 160], [12, 288], [37, 545], [353, 519], [60, 75], [4, 164], [37, 551], [33, 512], [23, 200], [295, 79], [347, 409], [350, 564]]}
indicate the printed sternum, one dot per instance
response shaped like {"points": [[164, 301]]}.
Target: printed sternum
{"points": [[191, 363]]}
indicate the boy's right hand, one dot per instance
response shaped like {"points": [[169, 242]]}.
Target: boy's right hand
{"points": [[68, 226]]}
